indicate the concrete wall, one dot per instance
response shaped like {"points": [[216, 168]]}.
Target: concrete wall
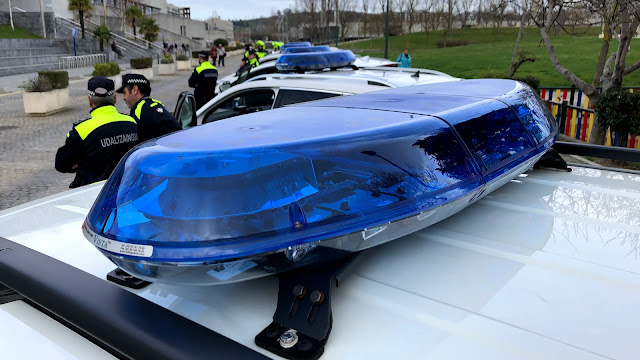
{"points": [[31, 21], [195, 28]]}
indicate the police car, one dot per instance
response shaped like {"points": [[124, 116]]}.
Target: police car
{"points": [[546, 267], [268, 66], [272, 91]]}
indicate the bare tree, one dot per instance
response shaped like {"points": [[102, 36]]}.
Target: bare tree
{"points": [[464, 8], [346, 15], [365, 10], [622, 18], [411, 13], [311, 7]]}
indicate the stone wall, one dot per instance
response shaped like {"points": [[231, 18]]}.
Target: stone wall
{"points": [[31, 22]]}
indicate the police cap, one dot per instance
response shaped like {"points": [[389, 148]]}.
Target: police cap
{"points": [[203, 53], [135, 79], [100, 86], [252, 52]]}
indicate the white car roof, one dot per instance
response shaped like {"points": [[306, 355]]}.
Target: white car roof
{"points": [[545, 267]]}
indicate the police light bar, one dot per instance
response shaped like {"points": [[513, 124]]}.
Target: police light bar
{"points": [[315, 60], [295, 44], [305, 49], [290, 187]]}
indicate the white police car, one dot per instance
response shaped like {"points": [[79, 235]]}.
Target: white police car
{"points": [[270, 91], [268, 65]]}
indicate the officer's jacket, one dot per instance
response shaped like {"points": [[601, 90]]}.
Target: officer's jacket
{"points": [[204, 80], [261, 54], [153, 119], [97, 144], [253, 62]]}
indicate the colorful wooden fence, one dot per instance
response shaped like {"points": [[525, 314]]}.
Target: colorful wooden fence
{"points": [[574, 114]]}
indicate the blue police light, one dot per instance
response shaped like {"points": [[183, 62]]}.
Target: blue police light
{"points": [[315, 60], [295, 44], [306, 49], [270, 192]]}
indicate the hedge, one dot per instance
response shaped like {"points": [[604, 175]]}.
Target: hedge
{"points": [[194, 54], [167, 59], [445, 43], [220, 41], [141, 63], [58, 79], [106, 69], [182, 57]]}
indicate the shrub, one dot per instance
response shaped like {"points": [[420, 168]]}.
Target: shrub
{"points": [[445, 43], [194, 54], [57, 79], [182, 57], [493, 74], [38, 84], [106, 69], [220, 41], [619, 110], [532, 81], [141, 63], [167, 59]]}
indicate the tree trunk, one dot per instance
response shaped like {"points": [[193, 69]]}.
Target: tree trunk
{"points": [[598, 134], [602, 57], [133, 25], [512, 69], [101, 45], [82, 22]]}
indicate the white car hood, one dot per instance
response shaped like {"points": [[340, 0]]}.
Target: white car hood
{"points": [[545, 267]]}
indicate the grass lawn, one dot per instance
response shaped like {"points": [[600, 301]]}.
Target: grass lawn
{"points": [[491, 50], [6, 33]]}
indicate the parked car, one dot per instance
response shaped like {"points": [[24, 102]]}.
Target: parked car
{"points": [[276, 90]]}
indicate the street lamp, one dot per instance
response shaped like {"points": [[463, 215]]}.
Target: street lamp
{"points": [[386, 34]]}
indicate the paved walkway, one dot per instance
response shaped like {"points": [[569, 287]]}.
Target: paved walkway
{"points": [[28, 144]]}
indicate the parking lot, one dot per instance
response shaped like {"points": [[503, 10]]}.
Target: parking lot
{"points": [[28, 144]]}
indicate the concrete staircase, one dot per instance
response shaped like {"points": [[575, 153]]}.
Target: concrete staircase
{"points": [[19, 56]]}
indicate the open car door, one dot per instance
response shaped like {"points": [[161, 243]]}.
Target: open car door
{"points": [[185, 110]]}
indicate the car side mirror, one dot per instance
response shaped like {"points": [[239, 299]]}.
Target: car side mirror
{"points": [[225, 86]]}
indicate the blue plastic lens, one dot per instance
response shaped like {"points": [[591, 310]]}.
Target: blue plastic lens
{"points": [[297, 50], [315, 60], [288, 180], [295, 44]]}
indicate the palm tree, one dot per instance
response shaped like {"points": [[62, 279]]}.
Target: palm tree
{"points": [[102, 33], [82, 7], [133, 14], [149, 28]]}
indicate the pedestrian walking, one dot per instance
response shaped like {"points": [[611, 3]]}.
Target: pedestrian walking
{"points": [[213, 53], [203, 79], [94, 146], [221, 54], [115, 49], [404, 59], [152, 117]]}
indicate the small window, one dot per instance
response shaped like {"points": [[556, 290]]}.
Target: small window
{"points": [[245, 103], [288, 97]]}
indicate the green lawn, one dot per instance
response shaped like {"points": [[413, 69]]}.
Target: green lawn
{"points": [[491, 50], [6, 33]]}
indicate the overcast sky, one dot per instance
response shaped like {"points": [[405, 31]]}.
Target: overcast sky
{"points": [[233, 9]]}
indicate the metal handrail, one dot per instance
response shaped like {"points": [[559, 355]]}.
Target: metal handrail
{"points": [[68, 62], [147, 42]]}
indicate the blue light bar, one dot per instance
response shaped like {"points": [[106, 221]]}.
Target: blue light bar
{"points": [[269, 192], [295, 44], [315, 60], [305, 49]]}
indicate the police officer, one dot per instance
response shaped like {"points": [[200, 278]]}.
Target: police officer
{"points": [[95, 146], [203, 79], [253, 58], [261, 52], [152, 117], [245, 56]]}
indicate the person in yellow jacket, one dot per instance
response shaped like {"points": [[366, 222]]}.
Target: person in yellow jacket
{"points": [[261, 52], [203, 79], [94, 146]]}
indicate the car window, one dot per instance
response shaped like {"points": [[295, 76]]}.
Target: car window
{"points": [[261, 71], [244, 103], [185, 116], [288, 97]]}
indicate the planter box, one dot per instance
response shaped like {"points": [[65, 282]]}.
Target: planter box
{"points": [[184, 64], [167, 69], [148, 72], [45, 103], [194, 62], [117, 80]]}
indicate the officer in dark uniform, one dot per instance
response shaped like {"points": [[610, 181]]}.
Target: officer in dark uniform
{"points": [[245, 56], [203, 79], [153, 118], [95, 146]]}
